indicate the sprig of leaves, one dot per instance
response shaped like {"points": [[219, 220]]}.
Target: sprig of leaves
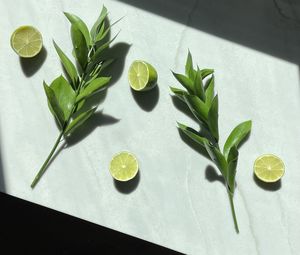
{"points": [[67, 96], [200, 97]]}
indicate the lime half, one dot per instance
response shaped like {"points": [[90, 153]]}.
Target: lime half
{"points": [[142, 76], [124, 166], [26, 41], [268, 168]]}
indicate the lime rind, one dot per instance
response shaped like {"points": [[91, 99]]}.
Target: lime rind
{"points": [[269, 168], [124, 166], [26, 41], [142, 76]]}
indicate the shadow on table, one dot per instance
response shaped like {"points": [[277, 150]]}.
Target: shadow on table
{"points": [[146, 100], [2, 184], [269, 26], [53, 232], [31, 65], [129, 186], [267, 186], [212, 175], [97, 120]]}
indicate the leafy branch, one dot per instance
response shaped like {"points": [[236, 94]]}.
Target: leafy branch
{"points": [[200, 97], [67, 96]]}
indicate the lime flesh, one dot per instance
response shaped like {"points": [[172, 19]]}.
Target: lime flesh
{"points": [[26, 41], [142, 76], [124, 166], [269, 168]]}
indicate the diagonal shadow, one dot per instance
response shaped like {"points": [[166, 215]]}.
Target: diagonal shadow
{"points": [[212, 175], [2, 184], [96, 120], [269, 26]]}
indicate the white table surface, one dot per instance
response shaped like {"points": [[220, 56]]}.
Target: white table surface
{"points": [[177, 201]]}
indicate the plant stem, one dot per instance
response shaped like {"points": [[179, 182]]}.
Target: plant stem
{"points": [[44, 166], [233, 211]]}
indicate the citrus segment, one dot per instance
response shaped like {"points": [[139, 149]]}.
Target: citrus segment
{"points": [[142, 76], [268, 168], [26, 41], [124, 166]]}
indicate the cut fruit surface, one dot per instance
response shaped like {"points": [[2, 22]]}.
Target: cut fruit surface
{"points": [[26, 41], [269, 168], [142, 76], [124, 166]]}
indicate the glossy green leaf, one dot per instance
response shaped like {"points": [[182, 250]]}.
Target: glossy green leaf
{"points": [[206, 72], [103, 32], [94, 87], [95, 58], [80, 47], [213, 117], [193, 134], [197, 107], [64, 94], [68, 65], [79, 120], [179, 93], [102, 35], [185, 82], [189, 71], [236, 136], [80, 25], [198, 85], [217, 157], [99, 22], [232, 164], [106, 63], [54, 105], [209, 92]]}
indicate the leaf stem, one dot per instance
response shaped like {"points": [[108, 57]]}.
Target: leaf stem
{"points": [[230, 195], [44, 166]]}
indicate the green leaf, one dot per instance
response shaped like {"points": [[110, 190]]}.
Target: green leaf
{"points": [[105, 64], [80, 46], [68, 65], [189, 71], [80, 25], [209, 92], [206, 72], [232, 164], [213, 116], [197, 107], [64, 94], [185, 82], [94, 87], [198, 85], [236, 136], [102, 34], [79, 120], [179, 93], [99, 51], [217, 157], [193, 134], [54, 105], [99, 22]]}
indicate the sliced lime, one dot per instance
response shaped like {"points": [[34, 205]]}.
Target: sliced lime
{"points": [[268, 168], [142, 76], [26, 41], [124, 166]]}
